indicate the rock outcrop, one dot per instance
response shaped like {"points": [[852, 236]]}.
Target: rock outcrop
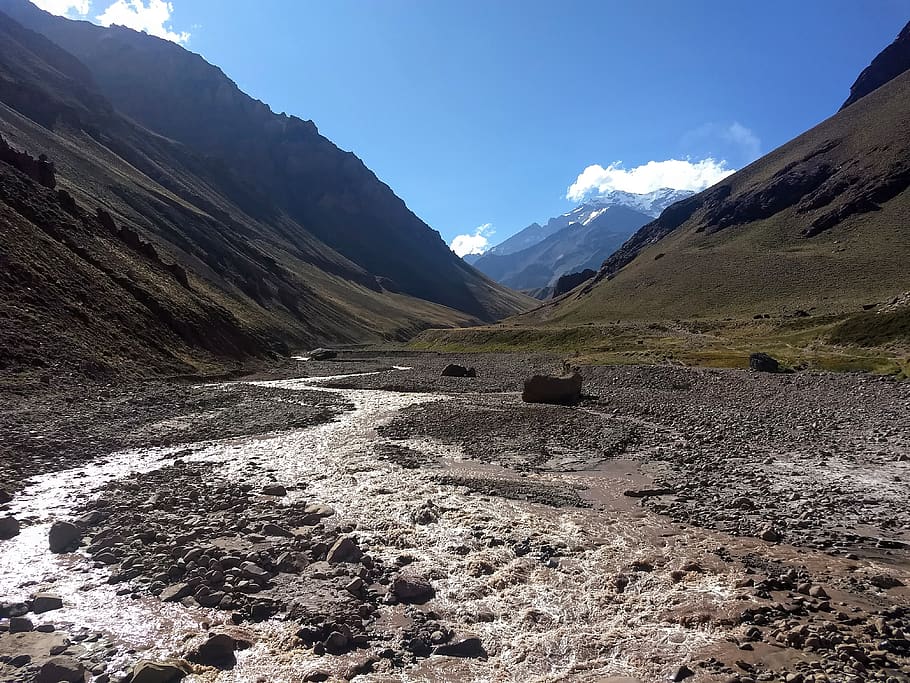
{"points": [[564, 390], [887, 65]]}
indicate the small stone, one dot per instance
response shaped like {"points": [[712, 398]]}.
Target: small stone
{"points": [[20, 660], [45, 602], [770, 534], [169, 671], [471, 647], [412, 590], [818, 592], [9, 527], [5, 497], [60, 669], [275, 530], [336, 643], [174, 593], [217, 651], [63, 537], [20, 625], [251, 570], [681, 674], [345, 549]]}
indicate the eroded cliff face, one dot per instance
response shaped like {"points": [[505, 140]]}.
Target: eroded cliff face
{"points": [[888, 64]]}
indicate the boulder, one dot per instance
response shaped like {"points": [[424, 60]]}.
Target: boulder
{"points": [[465, 647], [217, 651], [5, 497], [412, 590], [337, 643], [169, 671], [274, 490], [270, 529], [59, 669], [453, 370], [20, 625], [174, 593], [323, 354], [251, 570], [45, 602], [565, 390], [63, 537], [345, 549], [9, 527], [762, 362]]}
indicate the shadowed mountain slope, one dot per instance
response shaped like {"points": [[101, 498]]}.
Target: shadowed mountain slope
{"points": [[294, 169], [129, 252], [821, 224], [887, 65]]}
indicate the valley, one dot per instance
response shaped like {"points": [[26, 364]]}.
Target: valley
{"points": [[615, 516], [264, 421]]}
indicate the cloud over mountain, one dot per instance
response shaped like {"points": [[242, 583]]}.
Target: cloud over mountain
{"points": [[151, 16], [677, 174], [474, 243]]}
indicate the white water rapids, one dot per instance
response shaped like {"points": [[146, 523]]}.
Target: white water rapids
{"points": [[548, 623]]}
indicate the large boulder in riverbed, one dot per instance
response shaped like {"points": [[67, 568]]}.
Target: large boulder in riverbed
{"points": [[762, 362], [453, 370], [565, 390], [470, 647], [218, 650], [63, 537], [45, 602], [59, 669], [323, 354], [9, 527], [412, 590], [169, 671], [345, 549]]}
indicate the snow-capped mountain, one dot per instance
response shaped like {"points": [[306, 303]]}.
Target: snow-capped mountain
{"points": [[650, 204], [534, 258]]}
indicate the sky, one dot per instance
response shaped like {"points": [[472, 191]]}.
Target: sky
{"points": [[487, 115]]}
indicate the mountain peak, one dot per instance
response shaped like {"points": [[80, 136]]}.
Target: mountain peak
{"points": [[887, 65]]}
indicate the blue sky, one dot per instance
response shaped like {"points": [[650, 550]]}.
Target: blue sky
{"points": [[486, 113]]}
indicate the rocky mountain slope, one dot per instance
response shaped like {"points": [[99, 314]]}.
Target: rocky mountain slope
{"points": [[284, 159], [818, 225], [888, 64], [594, 233], [129, 251]]}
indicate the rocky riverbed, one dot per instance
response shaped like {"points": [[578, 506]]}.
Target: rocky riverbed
{"points": [[367, 518]]}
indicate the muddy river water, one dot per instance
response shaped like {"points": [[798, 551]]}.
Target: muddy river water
{"points": [[560, 620]]}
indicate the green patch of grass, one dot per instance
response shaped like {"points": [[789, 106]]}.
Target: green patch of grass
{"points": [[798, 343], [873, 329]]}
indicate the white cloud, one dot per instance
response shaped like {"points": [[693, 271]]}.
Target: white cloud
{"points": [[748, 141], [731, 141], [677, 174], [475, 243], [149, 16], [64, 8]]}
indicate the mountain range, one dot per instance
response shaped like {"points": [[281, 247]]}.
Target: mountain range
{"points": [[179, 224], [817, 226], [534, 258]]}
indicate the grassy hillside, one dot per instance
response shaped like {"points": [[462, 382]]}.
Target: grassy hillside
{"points": [[804, 254], [821, 224]]}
